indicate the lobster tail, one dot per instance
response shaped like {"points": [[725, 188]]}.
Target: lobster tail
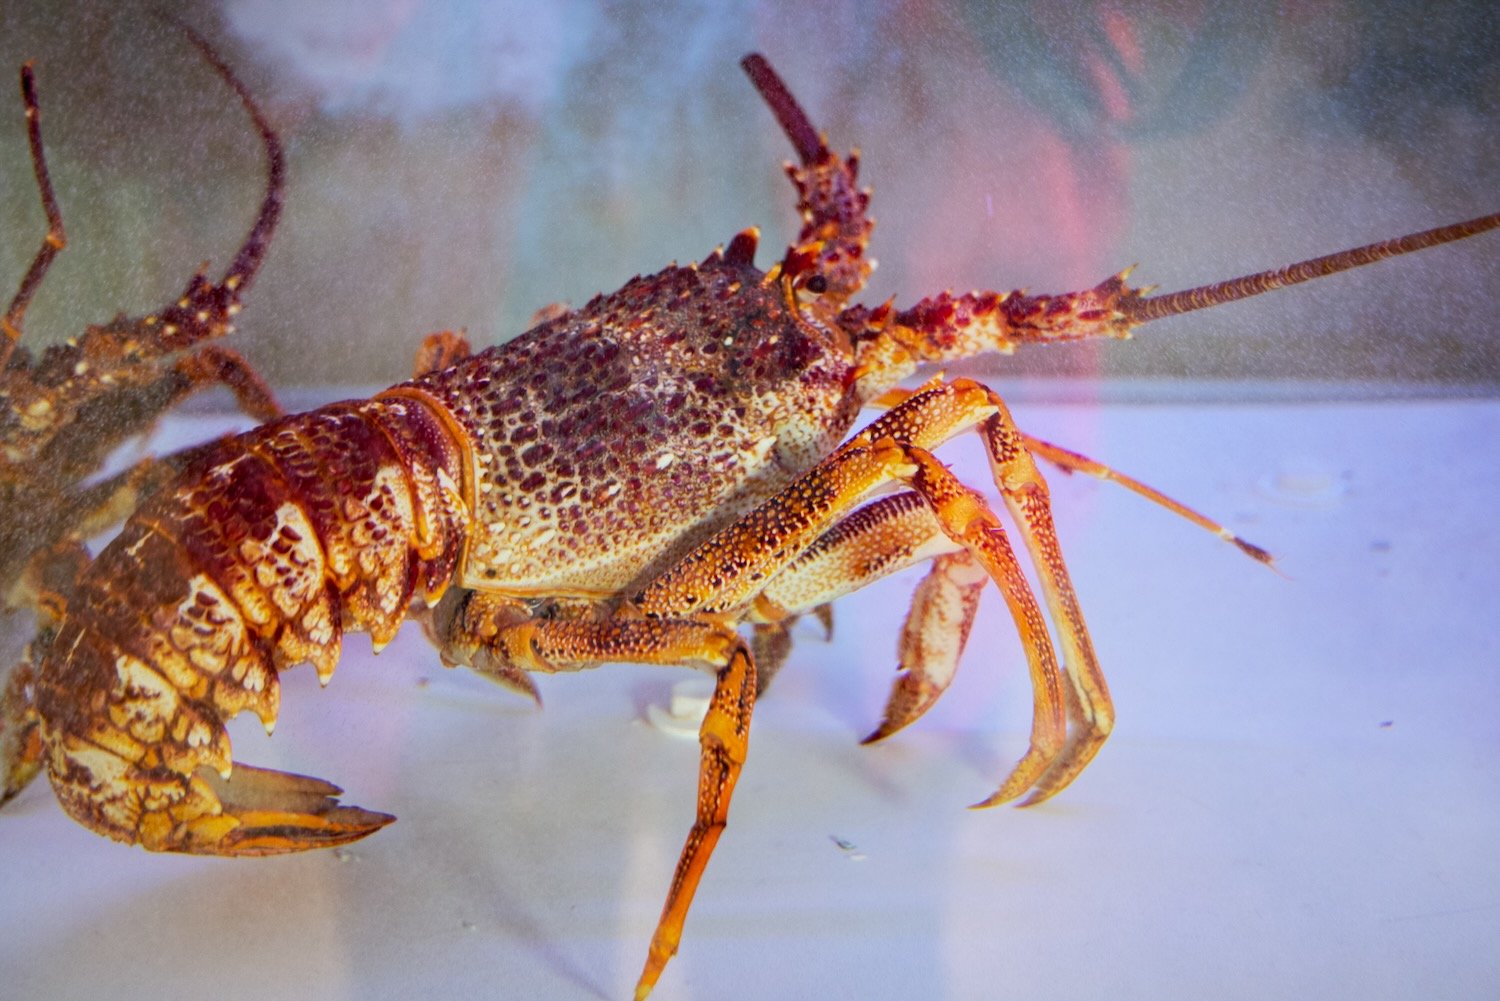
{"points": [[256, 559]]}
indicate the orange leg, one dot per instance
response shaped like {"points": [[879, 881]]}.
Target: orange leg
{"points": [[1090, 709], [727, 572], [875, 540], [883, 537], [932, 640], [771, 645], [563, 645], [1026, 495], [1072, 462], [771, 641], [950, 408]]}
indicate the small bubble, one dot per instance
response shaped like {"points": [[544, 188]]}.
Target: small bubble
{"points": [[1301, 482]]}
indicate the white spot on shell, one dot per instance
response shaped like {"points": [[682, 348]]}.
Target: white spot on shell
{"points": [[104, 767], [139, 676]]}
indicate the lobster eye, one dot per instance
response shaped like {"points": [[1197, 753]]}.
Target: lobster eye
{"points": [[817, 284]]}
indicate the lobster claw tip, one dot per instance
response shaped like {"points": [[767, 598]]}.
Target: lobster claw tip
{"points": [[271, 813], [275, 833]]}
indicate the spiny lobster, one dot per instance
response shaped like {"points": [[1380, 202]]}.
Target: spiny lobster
{"points": [[62, 414], [633, 480]]}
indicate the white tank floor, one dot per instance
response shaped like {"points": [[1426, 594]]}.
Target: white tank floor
{"points": [[1301, 798]]}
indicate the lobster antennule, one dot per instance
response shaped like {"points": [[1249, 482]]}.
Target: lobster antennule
{"points": [[789, 114], [1215, 294]]}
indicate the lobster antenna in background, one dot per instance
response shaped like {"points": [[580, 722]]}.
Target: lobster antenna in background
{"points": [[55, 240], [246, 263]]}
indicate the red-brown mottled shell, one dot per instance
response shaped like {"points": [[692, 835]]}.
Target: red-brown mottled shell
{"points": [[610, 440]]}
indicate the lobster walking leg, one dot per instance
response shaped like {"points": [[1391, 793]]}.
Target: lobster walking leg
{"points": [[883, 537], [1090, 709], [1073, 462], [215, 365], [553, 645], [936, 414], [1070, 461], [729, 569], [438, 351], [932, 639]]}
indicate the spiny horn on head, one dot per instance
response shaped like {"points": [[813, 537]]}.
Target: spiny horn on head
{"points": [[789, 114]]}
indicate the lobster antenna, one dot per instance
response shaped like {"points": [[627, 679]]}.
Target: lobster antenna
{"points": [[55, 240], [1204, 296], [246, 263]]}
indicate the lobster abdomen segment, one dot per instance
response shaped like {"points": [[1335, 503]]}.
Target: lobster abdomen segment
{"points": [[257, 558]]}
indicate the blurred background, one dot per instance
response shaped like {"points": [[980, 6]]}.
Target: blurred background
{"points": [[460, 165]]}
